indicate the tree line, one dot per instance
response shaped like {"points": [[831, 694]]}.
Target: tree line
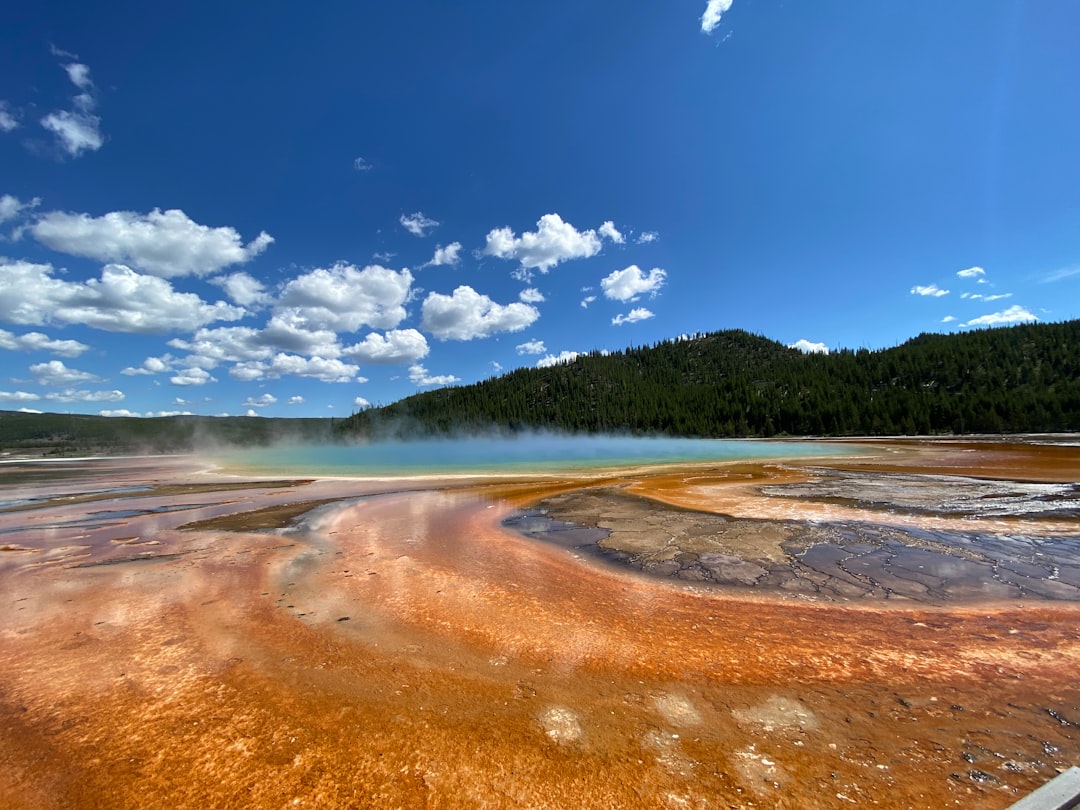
{"points": [[732, 383]]}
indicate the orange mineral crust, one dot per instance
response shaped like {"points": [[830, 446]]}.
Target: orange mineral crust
{"points": [[406, 649]]}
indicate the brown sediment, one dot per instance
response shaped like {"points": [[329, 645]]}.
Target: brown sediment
{"points": [[269, 517], [478, 668], [158, 491]]}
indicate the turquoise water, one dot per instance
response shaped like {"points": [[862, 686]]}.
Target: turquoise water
{"points": [[533, 454]]}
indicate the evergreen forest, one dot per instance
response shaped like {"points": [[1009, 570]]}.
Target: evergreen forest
{"points": [[1017, 379]]}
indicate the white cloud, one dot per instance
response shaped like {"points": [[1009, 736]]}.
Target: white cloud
{"points": [[948, 319], [360, 402], [343, 298], [804, 345], [981, 297], [418, 375], [297, 400], [243, 289], [161, 243], [192, 376], [77, 395], [630, 284], [928, 289], [249, 412], [18, 396], [78, 129], [362, 165], [467, 314], [121, 301], [646, 237], [609, 231], [417, 224], [54, 372], [324, 369], [119, 412], [396, 346], [209, 347], [263, 401], [714, 10], [445, 255], [971, 272], [40, 342], [557, 359], [8, 121], [1060, 275], [554, 241], [635, 315], [151, 365], [296, 330], [531, 295], [588, 299], [11, 207], [1014, 314], [532, 347]]}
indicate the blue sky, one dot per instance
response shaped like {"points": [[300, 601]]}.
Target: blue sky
{"points": [[297, 209]]}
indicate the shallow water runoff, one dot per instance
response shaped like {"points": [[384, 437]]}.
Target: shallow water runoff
{"points": [[535, 453]]}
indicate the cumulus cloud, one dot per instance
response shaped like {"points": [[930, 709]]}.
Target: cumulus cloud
{"points": [[324, 369], [209, 347], [120, 301], [396, 346], [531, 347], [151, 365], [646, 237], [54, 372], [445, 255], [417, 224], [360, 402], [633, 316], [466, 314], [588, 299], [948, 319], [8, 121], [192, 376], [297, 400], [161, 243], [631, 283], [531, 295], [928, 289], [971, 272], [804, 345], [714, 10], [243, 289], [609, 231], [263, 401], [80, 395], [343, 298], [18, 396], [40, 342], [554, 241], [11, 207], [557, 359], [1014, 314], [419, 375], [78, 130]]}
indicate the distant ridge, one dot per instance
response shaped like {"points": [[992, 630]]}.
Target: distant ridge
{"points": [[56, 434], [731, 383]]}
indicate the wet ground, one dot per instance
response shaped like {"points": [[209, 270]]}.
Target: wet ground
{"points": [[400, 647], [839, 560]]}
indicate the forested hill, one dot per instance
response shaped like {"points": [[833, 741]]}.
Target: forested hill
{"points": [[731, 383]]}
